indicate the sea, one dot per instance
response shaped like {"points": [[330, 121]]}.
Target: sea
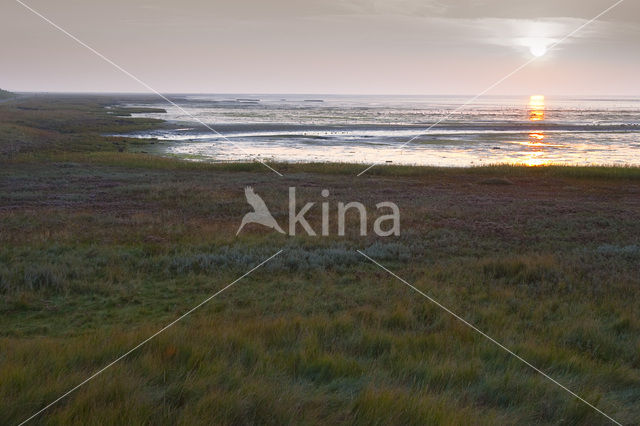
{"points": [[531, 130]]}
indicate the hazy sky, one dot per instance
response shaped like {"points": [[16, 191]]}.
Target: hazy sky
{"points": [[322, 46]]}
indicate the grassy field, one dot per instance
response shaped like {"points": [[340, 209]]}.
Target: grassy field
{"points": [[101, 246]]}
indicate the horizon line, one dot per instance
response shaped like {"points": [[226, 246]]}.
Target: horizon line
{"points": [[171, 93]]}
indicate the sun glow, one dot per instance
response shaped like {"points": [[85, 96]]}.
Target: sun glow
{"points": [[537, 43], [538, 49], [536, 101]]}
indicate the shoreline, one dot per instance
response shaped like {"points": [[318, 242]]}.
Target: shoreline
{"points": [[355, 133], [104, 117]]}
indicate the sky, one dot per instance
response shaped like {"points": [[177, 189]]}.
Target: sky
{"points": [[323, 46]]}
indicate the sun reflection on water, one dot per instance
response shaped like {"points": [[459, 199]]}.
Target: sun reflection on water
{"points": [[536, 143], [536, 136], [535, 159], [536, 108]]}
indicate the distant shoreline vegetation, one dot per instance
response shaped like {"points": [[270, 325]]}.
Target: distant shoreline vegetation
{"points": [[4, 94]]}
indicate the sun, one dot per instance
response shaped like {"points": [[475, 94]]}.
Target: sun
{"points": [[538, 43], [538, 49]]}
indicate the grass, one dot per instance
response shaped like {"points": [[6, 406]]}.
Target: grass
{"points": [[101, 246]]}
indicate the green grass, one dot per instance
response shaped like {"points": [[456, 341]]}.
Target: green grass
{"points": [[499, 172], [101, 247]]}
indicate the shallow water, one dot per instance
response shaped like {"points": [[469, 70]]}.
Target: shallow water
{"points": [[376, 129]]}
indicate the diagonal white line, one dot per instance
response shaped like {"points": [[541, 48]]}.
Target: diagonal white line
{"points": [[171, 324], [491, 339], [473, 99], [35, 12]]}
